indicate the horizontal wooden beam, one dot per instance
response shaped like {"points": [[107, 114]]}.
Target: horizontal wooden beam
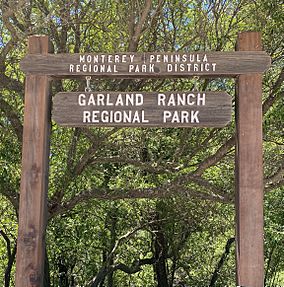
{"points": [[147, 65], [141, 109]]}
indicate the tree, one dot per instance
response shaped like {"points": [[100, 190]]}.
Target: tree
{"points": [[183, 235]]}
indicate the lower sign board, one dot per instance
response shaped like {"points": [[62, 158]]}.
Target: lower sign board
{"points": [[142, 109]]}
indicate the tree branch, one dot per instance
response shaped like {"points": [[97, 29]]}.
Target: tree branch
{"points": [[151, 193], [78, 168], [8, 14], [213, 159], [8, 243], [12, 196], [135, 267], [276, 177], [221, 262], [9, 266], [13, 118], [107, 268], [274, 94], [133, 44]]}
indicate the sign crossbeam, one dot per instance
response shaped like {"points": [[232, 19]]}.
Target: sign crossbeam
{"points": [[147, 65]]}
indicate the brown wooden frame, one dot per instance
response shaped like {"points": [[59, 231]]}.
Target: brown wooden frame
{"points": [[249, 173]]}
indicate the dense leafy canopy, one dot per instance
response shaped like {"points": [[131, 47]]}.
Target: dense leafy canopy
{"points": [[185, 238]]}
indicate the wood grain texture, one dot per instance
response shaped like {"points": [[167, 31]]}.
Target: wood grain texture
{"points": [[147, 65], [249, 172], [169, 109], [34, 178]]}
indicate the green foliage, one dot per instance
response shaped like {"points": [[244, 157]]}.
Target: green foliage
{"points": [[8, 234], [129, 242]]}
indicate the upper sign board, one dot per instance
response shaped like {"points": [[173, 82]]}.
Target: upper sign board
{"points": [[147, 65]]}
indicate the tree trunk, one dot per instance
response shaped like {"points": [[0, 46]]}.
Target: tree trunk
{"points": [[160, 252], [46, 279], [113, 223], [221, 262], [9, 266], [62, 270]]}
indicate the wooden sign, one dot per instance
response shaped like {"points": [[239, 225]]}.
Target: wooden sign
{"points": [[170, 109], [141, 109], [143, 65]]}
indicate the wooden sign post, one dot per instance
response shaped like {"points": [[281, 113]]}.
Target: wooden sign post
{"points": [[249, 172], [34, 180], [140, 109]]}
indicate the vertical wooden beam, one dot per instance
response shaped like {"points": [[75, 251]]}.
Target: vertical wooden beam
{"points": [[249, 171], [34, 180]]}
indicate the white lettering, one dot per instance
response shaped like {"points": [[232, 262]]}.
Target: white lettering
{"points": [[143, 117], [180, 117], [136, 118], [103, 58], [181, 100], [110, 58], [129, 99], [189, 102], [131, 58], [175, 118], [166, 115], [100, 99], [194, 117], [82, 58], [184, 117], [82, 100], [94, 117], [171, 100], [89, 58], [105, 117], [108, 101], [116, 58], [117, 117], [161, 99], [86, 117], [152, 58], [119, 101], [96, 58], [91, 101], [139, 99], [201, 99], [123, 59], [207, 67]]}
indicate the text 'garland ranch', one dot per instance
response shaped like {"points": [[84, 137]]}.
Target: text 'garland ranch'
{"points": [[139, 109], [148, 63]]}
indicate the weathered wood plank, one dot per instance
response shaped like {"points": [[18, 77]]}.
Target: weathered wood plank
{"points": [[249, 172], [34, 179], [143, 109], [147, 65]]}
